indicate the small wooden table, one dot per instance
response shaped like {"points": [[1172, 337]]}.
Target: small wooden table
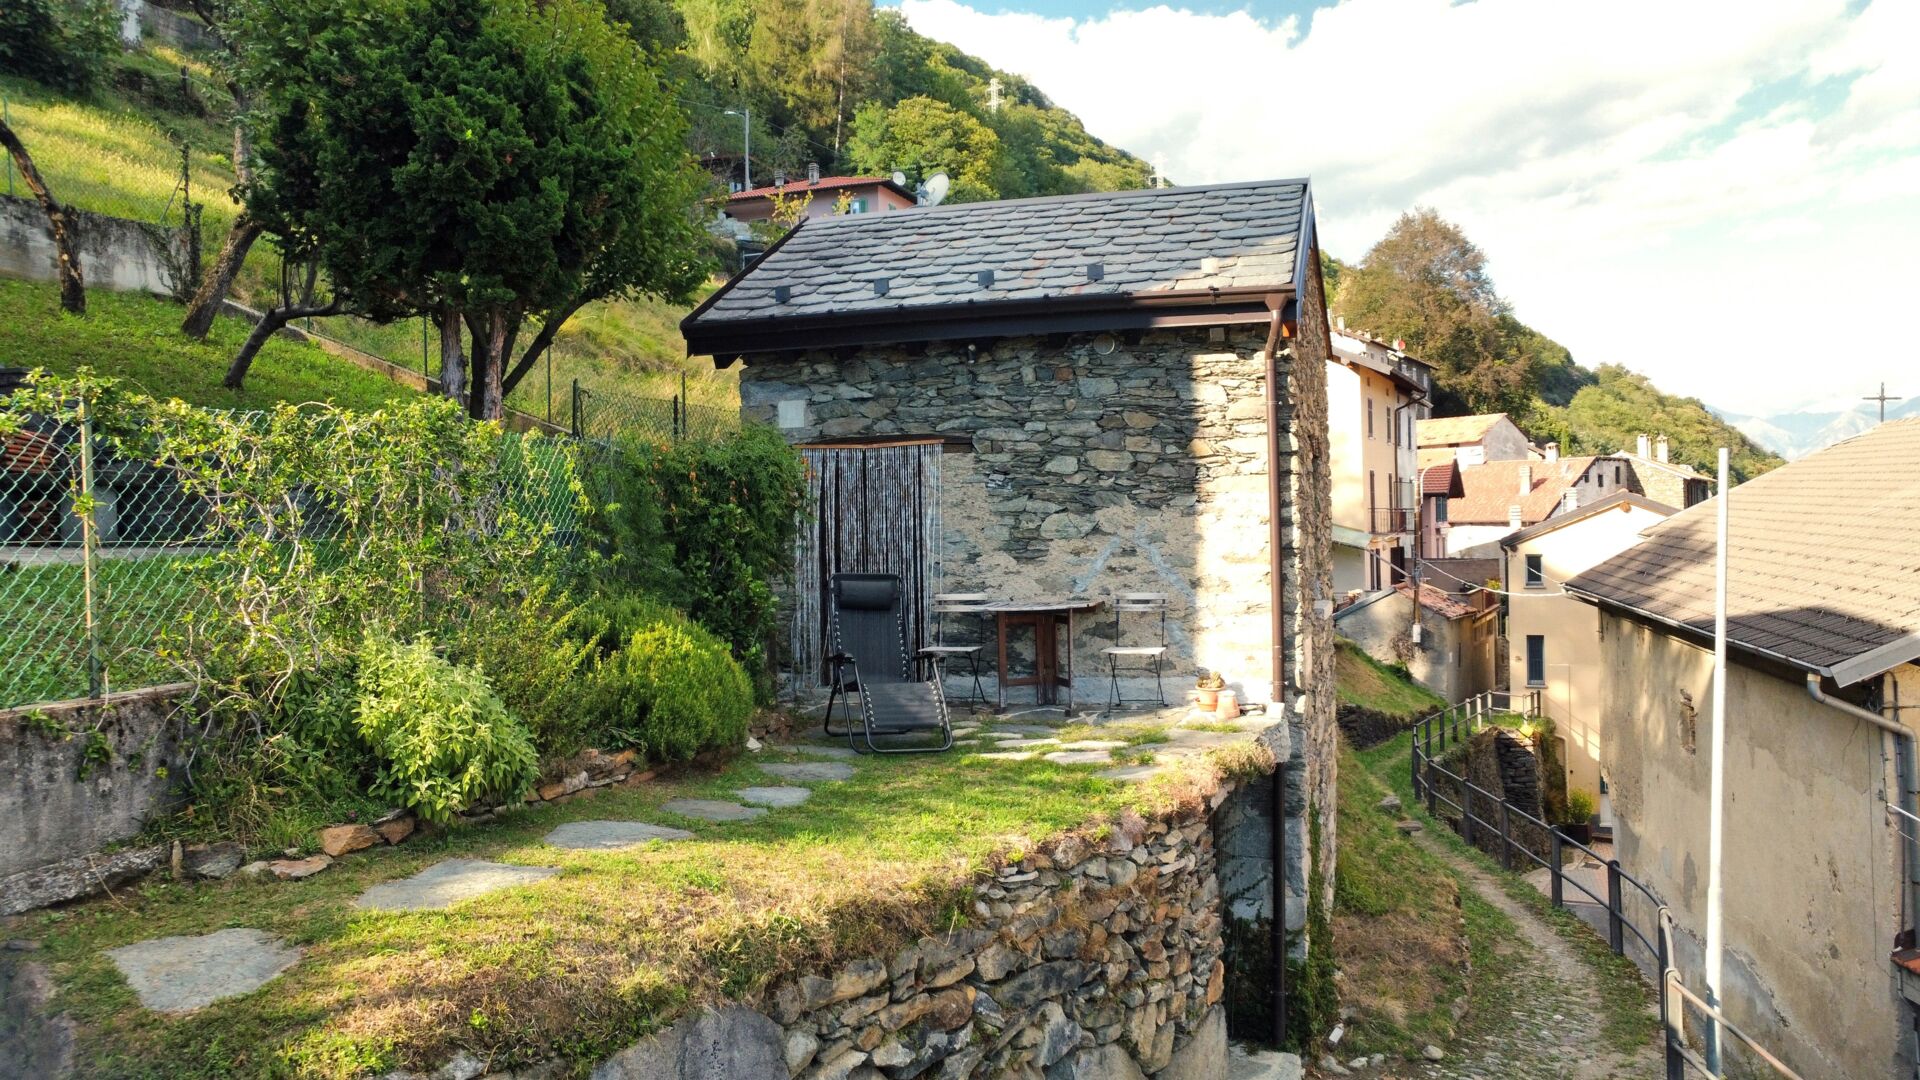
{"points": [[1046, 616]]}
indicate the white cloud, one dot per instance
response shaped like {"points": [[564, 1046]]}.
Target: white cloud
{"points": [[1675, 186]]}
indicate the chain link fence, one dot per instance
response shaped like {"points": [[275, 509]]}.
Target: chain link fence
{"points": [[105, 561], [604, 416]]}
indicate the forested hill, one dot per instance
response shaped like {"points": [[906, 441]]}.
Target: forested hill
{"points": [[1426, 283], [855, 90]]}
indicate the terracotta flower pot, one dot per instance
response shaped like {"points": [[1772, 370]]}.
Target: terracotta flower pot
{"points": [[1206, 698], [1229, 706]]}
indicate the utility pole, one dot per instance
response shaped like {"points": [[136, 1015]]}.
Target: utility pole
{"points": [[1882, 398], [1717, 775], [746, 144]]}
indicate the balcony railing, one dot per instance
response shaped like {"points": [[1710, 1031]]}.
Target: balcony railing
{"points": [[1394, 519]]}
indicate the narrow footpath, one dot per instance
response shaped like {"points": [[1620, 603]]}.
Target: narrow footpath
{"points": [[1543, 1018]]}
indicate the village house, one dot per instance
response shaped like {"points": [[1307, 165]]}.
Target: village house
{"points": [[1551, 635], [1823, 632], [1657, 476], [1375, 395], [1454, 652], [863, 194], [1499, 497], [1075, 396], [1470, 440]]}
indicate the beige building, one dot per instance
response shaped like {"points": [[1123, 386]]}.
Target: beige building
{"points": [[1471, 440], [1824, 631], [1499, 497], [1553, 638], [1375, 395]]}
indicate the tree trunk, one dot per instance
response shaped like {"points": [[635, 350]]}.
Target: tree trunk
{"points": [[487, 396], [270, 322], [453, 365], [544, 338], [214, 286], [73, 286]]}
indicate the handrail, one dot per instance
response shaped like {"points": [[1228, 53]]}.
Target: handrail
{"points": [[1457, 722]]}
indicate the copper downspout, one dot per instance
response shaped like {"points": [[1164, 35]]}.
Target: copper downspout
{"points": [[1277, 928]]}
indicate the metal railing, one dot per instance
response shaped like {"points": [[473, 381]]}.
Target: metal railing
{"points": [[1434, 736], [1393, 519]]}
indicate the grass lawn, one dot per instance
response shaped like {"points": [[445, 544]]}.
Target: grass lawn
{"points": [[43, 624], [1368, 683], [583, 963], [136, 338]]}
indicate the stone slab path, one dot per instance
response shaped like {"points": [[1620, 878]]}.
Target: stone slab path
{"points": [[778, 798], [1552, 1027], [811, 770], [711, 809], [611, 835], [179, 974], [1251, 1063], [449, 882], [1080, 757], [818, 751]]}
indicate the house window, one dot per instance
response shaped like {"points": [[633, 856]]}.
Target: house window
{"points": [[856, 206], [1369, 418], [1616, 476], [1440, 511], [1536, 578], [1536, 660], [1372, 501]]}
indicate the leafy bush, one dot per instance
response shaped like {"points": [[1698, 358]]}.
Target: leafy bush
{"points": [[61, 43], [1581, 806], [443, 739], [670, 690], [537, 654], [706, 526]]}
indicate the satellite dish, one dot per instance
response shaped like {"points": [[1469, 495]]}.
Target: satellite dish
{"points": [[899, 178], [936, 189]]}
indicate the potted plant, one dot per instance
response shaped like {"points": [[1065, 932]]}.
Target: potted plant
{"points": [[1207, 690], [1581, 807]]}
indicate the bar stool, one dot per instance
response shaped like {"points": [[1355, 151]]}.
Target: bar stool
{"points": [[1146, 605], [940, 652]]}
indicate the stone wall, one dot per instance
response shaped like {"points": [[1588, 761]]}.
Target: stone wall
{"points": [[1138, 469], [57, 807], [1096, 958], [115, 253]]}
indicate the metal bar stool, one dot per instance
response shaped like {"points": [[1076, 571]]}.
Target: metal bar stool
{"points": [[940, 651], [1145, 605]]}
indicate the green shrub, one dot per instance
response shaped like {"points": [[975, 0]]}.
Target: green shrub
{"points": [[1581, 806], [671, 690], [64, 44], [537, 655], [706, 525], [442, 738]]}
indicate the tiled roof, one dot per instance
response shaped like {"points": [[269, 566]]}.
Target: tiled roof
{"points": [[1442, 478], [1437, 601], [798, 185], [1221, 237], [1493, 488], [1823, 560], [29, 452], [1454, 430]]}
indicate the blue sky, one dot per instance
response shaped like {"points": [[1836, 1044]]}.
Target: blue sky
{"points": [[1722, 201]]}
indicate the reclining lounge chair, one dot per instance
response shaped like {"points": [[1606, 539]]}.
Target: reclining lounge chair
{"points": [[871, 658]]}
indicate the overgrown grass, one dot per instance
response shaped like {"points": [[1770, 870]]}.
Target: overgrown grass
{"points": [[136, 338], [1368, 683], [1626, 1000], [576, 966]]}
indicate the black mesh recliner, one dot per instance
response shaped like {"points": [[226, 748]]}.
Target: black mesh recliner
{"points": [[872, 658]]}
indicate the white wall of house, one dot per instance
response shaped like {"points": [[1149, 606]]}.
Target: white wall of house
{"points": [[1811, 866]]}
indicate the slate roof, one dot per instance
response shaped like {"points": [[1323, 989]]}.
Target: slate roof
{"points": [[1455, 430], [1226, 236], [1823, 567], [1493, 488]]}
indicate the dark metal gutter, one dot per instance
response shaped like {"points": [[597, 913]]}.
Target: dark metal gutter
{"points": [[1276, 537]]}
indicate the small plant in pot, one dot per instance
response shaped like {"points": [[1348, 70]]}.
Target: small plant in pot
{"points": [[1207, 690], [1581, 807]]}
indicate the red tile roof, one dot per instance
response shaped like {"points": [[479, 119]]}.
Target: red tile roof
{"points": [[796, 185], [1494, 488], [1442, 479], [29, 452]]}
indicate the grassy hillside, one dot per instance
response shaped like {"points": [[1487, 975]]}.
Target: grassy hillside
{"points": [[1366, 682], [136, 338]]}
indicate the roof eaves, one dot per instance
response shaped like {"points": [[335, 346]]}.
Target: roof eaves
{"points": [[1876, 661], [1701, 637], [1514, 539], [1078, 196]]}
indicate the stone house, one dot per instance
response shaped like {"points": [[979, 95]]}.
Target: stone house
{"points": [[1455, 652], [1080, 395], [1823, 625], [1656, 475]]}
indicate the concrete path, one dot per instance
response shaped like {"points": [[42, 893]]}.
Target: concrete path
{"points": [[449, 882], [179, 974], [1251, 1063], [711, 809], [778, 798], [611, 835]]}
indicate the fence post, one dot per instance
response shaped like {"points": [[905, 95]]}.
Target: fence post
{"points": [[1671, 1034], [1506, 838], [1466, 811], [1413, 762], [577, 426], [1615, 937], [1558, 890], [89, 546]]}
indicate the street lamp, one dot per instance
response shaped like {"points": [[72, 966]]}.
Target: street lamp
{"points": [[746, 142]]}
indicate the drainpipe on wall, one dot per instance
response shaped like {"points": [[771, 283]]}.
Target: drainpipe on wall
{"points": [[1277, 940], [1904, 778]]}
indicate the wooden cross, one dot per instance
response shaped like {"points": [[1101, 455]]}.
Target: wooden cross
{"points": [[1882, 398]]}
